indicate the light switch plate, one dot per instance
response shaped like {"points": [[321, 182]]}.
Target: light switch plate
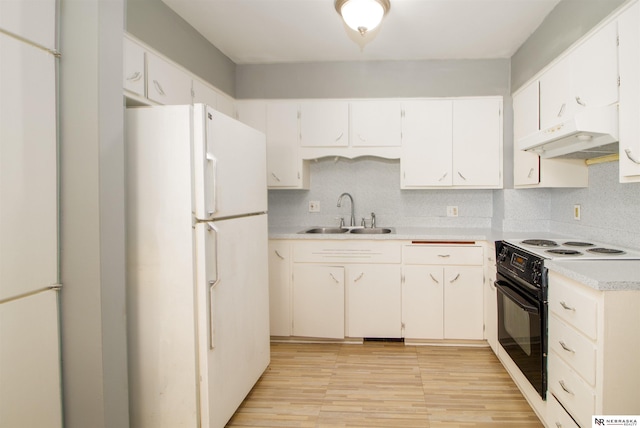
{"points": [[314, 206], [576, 212], [452, 211]]}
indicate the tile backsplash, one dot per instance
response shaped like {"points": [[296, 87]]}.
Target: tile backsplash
{"points": [[610, 211]]}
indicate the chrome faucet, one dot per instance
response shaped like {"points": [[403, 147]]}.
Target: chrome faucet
{"points": [[352, 223]]}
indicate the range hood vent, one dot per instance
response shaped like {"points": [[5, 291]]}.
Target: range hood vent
{"points": [[591, 132]]}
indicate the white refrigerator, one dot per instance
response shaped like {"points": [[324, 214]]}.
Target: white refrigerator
{"points": [[30, 381], [197, 276]]}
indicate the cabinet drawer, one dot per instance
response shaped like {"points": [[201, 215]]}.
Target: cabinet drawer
{"points": [[571, 391], [575, 349], [573, 304], [347, 252], [557, 416], [442, 255]]}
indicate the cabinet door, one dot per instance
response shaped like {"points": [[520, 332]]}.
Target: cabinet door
{"points": [[629, 57], [166, 83], [324, 124], [33, 20], [477, 138], [526, 121], [556, 104], [283, 163], [375, 123], [422, 297], [426, 143], [595, 69], [373, 301], [279, 288], [204, 94], [133, 71], [318, 301], [463, 302], [253, 113]]}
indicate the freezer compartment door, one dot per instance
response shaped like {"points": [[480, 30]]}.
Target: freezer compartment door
{"points": [[230, 166], [30, 362], [233, 313], [28, 171]]}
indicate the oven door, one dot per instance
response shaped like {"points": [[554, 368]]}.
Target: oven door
{"points": [[522, 331]]}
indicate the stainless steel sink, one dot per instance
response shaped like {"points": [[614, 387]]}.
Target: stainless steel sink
{"points": [[372, 230], [325, 230]]}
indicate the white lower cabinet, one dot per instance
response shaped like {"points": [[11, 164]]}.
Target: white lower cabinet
{"points": [[593, 354], [280, 288], [318, 301], [373, 301], [442, 291]]}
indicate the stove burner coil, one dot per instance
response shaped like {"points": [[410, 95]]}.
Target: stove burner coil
{"points": [[601, 250], [578, 244], [564, 252], [540, 243]]}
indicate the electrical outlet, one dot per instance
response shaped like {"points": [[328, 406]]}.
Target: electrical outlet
{"points": [[452, 211], [314, 206], [576, 212]]}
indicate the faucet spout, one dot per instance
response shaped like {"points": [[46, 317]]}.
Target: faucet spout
{"points": [[352, 222]]}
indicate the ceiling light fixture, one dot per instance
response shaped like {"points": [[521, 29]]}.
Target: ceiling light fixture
{"points": [[362, 15]]}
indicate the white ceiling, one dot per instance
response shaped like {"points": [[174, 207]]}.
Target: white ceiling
{"points": [[279, 31]]}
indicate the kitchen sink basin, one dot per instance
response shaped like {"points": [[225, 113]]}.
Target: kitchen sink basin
{"points": [[340, 230], [326, 230], [372, 230]]}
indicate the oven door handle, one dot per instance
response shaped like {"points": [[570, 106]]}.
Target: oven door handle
{"points": [[504, 288]]}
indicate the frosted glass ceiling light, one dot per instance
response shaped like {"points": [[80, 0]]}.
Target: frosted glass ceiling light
{"points": [[362, 15]]}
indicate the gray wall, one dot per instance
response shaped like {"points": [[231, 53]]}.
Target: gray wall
{"points": [[157, 25], [569, 21]]}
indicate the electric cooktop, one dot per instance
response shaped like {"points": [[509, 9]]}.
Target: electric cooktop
{"points": [[578, 249]]}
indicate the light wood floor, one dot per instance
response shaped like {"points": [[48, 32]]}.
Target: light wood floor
{"points": [[384, 385]]}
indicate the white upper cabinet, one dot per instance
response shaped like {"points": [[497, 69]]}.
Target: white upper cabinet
{"points": [[629, 57], [376, 123], [556, 104], [452, 143], [252, 113], [32, 20], [526, 120], [477, 142], [285, 168], [595, 69], [133, 79], [324, 124], [427, 135], [166, 83], [204, 94]]}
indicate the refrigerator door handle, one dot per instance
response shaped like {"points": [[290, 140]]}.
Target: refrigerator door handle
{"points": [[213, 164], [212, 285]]}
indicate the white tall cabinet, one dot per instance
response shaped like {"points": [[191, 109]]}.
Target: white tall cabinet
{"points": [[30, 393]]}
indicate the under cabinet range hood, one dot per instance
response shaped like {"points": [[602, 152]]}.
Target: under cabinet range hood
{"points": [[590, 132]]}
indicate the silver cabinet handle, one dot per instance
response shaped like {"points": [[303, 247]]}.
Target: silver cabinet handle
{"points": [[442, 178], [579, 101], [362, 138], [278, 254], [567, 390], [275, 177], [135, 76], [567, 307], [334, 278], [561, 112], [454, 279], [444, 256], [434, 279], [530, 172], [565, 347], [558, 424], [462, 176], [158, 87], [340, 136], [631, 157], [359, 277]]}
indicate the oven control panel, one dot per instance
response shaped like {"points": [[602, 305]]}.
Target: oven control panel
{"points": [[518, 263]]}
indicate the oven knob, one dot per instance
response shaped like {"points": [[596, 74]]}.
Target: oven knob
{"points": [[503, 254], [536, 277], [537, 266]]}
